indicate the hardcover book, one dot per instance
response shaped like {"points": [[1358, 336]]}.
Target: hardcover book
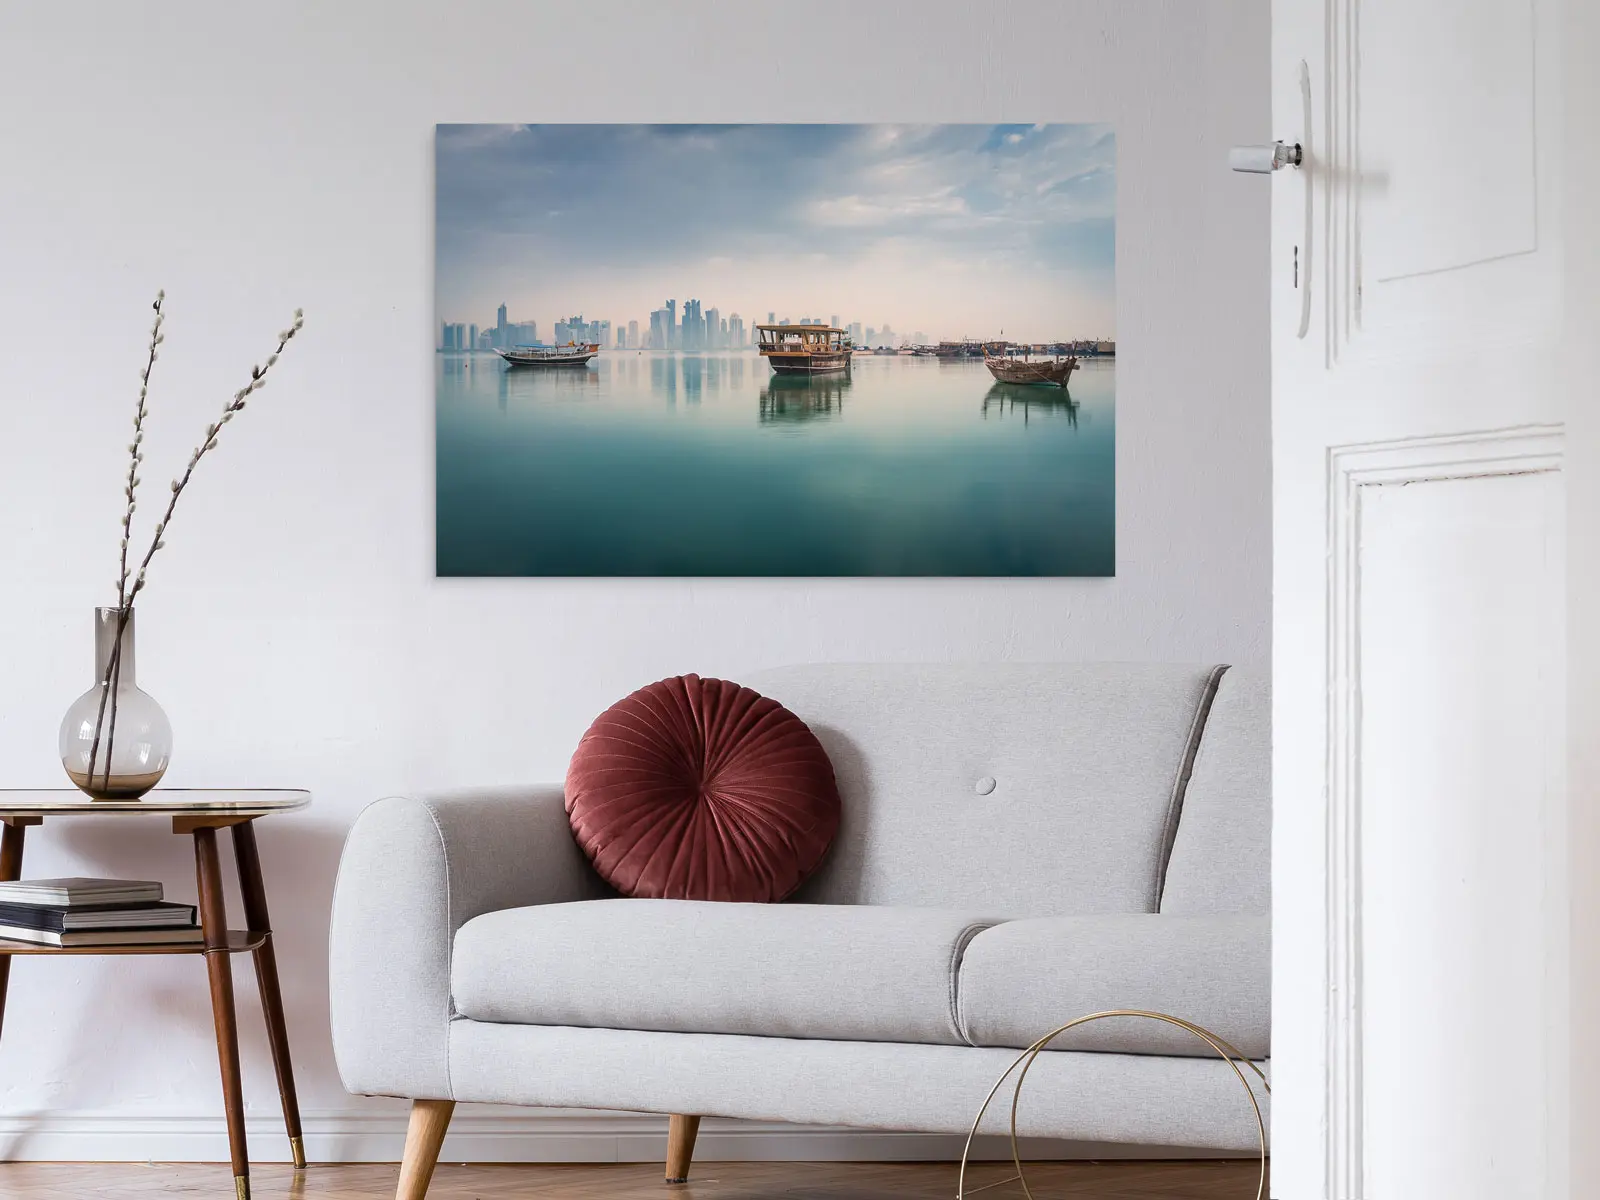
{"points": [[62, 918], [77, 891]]}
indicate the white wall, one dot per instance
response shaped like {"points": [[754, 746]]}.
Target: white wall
{"points": [[254, 158]]}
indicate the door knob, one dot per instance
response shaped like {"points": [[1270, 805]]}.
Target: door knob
{"points": [[1263, 160]]}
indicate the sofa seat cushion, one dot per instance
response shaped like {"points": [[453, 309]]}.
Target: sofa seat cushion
{"points": [[1022, 979], [687, 966]]}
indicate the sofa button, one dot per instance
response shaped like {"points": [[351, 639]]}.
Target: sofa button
{"points": [[984, 786]]}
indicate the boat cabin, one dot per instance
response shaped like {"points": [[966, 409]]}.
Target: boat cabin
{"points": [[801, 339]]}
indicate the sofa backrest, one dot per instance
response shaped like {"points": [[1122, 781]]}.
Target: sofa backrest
{"points": [[1010, 790], [1221, 861]]}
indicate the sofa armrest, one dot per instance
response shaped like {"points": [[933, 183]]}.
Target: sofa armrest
{"points": [[413, 871]]}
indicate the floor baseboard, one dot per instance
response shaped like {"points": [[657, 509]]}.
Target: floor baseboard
{"points": [[487, 1135]]}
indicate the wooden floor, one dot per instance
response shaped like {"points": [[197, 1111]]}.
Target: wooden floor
{"points": [[637, 1181]]}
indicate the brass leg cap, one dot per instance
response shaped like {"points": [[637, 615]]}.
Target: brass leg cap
{"points": [[241, 1187], [297, 1148]]}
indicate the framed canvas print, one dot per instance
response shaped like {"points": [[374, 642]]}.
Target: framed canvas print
{"points": [[775, 350]]}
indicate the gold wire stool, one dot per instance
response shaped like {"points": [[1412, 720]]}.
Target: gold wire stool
{"points": [[1229, 1054]]}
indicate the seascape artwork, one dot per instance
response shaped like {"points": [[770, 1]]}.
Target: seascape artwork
{"points": [[775, 350]]}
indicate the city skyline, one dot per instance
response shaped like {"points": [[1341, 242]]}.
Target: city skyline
{"points": [[951, 231], [698, 328]]}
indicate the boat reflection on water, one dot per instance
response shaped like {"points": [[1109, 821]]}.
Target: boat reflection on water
{"points": [[569, 384], [1005, 399], [789, 399]]}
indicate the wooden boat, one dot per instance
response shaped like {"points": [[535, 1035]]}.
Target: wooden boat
{"points": [[1008, 369], [573, 354], [804, 349]]}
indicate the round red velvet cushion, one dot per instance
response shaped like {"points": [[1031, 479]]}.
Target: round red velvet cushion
{"points": [[699, 789]]}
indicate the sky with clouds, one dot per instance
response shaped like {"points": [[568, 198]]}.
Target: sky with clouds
{"points": [[953, 230]]}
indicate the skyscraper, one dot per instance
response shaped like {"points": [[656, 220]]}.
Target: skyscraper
{"points": [[736, 331], [834, 320], [772, 317], [694, 326], [500, 327], [713, 328], [472, 339], [633, 335], [670, 322]]}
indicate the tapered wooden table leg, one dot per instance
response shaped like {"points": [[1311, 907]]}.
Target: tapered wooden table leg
{"points": [[254, 890], [214, 921], [10, 869]]}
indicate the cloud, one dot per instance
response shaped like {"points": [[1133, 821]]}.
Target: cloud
{"points": [[542, 210]]}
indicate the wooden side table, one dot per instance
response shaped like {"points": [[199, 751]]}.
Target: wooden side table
{"points": [[200, 814]]}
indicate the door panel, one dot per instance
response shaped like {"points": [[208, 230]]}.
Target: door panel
{"points": [[1456, 649], [1436, 132], [1449, 131]]}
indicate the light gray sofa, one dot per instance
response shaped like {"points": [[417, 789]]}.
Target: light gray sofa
{"points": [[1020, 845]]}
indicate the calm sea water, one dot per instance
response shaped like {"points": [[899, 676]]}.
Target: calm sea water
{"points": [[685, 464]]}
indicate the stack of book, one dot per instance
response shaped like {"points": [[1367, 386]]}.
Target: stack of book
{"points": [[93, 912]]}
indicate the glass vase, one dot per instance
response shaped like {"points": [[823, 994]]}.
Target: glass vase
{"points": [[115, 740]]}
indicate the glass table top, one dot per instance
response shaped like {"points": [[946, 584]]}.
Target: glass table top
{"points": [[61, 802]]}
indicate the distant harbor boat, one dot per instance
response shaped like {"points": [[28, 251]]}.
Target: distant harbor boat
{"points": [[1011, 369], [804, 349], [573, 354], [961, 349]]}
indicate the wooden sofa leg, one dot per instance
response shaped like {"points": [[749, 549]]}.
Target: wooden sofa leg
{"points": [[424, 1137], [681, 1132]]}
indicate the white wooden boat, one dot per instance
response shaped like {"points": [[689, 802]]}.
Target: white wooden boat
{"points": [[573, 354]]}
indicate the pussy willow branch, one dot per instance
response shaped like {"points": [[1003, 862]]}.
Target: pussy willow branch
{"points": [[135, 457], [114, 670], [258, 380], [135, 452]]}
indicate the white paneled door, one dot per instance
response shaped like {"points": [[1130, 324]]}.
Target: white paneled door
{"points": [[1420, 1035]]}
